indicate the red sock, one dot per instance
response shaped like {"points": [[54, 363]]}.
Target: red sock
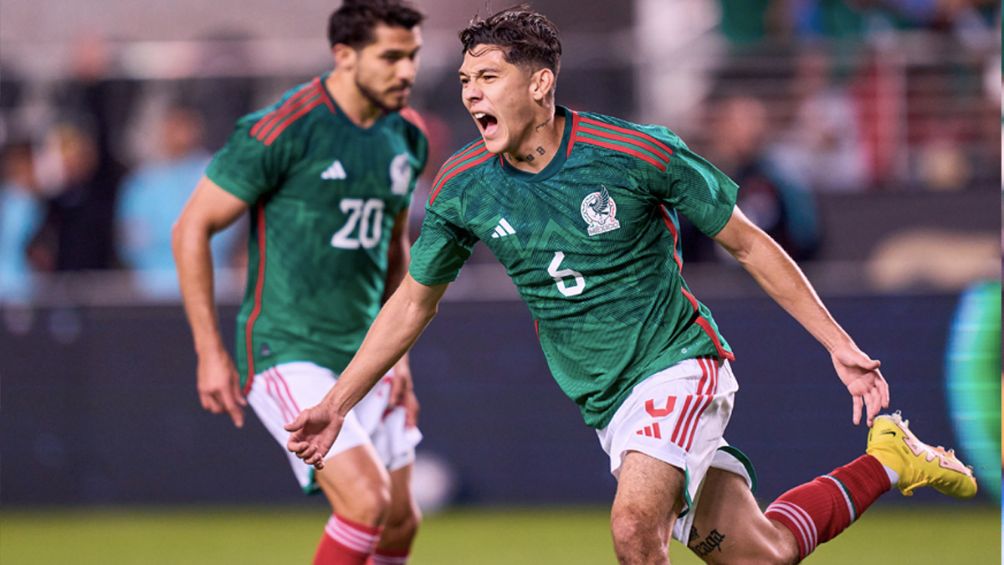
{"points": [[389, 557], [346, 543], [819, 510]]}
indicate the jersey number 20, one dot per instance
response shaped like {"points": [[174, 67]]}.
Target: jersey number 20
{"points": [[367, 215], [559, 276]]}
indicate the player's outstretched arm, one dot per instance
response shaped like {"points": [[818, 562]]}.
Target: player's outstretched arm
{"points": [[209, 210], [402, 391], [401, 320], [781, 278]]}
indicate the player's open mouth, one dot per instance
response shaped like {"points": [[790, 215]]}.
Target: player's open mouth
{"points": [[487, 122]]}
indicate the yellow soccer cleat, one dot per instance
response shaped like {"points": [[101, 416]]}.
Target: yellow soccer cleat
{"points": [[918, 464]]}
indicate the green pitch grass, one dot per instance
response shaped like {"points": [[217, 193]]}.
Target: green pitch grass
{"points": [[916, 536]]}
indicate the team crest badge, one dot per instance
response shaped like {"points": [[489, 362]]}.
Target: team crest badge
{"points": [[600, 212], [400, 174]]}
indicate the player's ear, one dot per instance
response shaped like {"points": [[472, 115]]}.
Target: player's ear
{"points": [[344, 55], [541, 84]]}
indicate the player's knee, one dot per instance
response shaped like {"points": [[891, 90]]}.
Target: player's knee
{"points": [[364, 497], [783, 547], [769, 548], [635, 534], [372, 500], [405, 522]]}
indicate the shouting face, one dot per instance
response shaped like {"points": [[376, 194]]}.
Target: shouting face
{"points": [[499, 97]]}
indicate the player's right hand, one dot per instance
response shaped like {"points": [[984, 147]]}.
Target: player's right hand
{"points": [[864, 381], [312, 434], [219, 387]]}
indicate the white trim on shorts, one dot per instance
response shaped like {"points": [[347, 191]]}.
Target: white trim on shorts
{"points": [[678, 416], [279, 393]]}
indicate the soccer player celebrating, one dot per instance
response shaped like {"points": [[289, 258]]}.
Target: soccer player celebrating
{"points": [[582, 210], [327, 173]]}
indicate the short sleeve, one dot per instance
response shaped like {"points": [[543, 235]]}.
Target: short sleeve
{"points": [[696, 188], [443, 246], [247, 167]]}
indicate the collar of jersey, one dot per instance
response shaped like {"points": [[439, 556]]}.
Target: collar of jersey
{"points": [[556, 162], [340, 114]]}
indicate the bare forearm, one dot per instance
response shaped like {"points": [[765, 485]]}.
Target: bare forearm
{"points": [[397, 265], [395, 330], [194, 261], [783, 281]]}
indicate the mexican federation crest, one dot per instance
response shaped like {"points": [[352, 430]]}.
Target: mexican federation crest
{"points": [[600, 212], [400, 174]]}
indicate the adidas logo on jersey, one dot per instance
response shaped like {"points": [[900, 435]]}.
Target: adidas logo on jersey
{"points": [[335, 172], [503, 229]]}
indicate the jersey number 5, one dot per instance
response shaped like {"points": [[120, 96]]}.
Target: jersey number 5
{"points": [[367, 215], [559, 276]]}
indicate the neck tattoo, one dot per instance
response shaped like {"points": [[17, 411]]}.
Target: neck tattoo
{"points": [[530, 157]]}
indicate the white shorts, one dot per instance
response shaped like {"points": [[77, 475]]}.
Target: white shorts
{"points": [[679, 416], [278, 394]]}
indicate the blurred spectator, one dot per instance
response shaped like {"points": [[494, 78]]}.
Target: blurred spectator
{"points": [[21, 213], [77, 233], [152, 198], [11, 95], [222, 89], [79, 167], [92, 94], [823, 147], [774, 202]]}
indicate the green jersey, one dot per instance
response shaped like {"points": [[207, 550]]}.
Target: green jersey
{"points": [[324, 195], [592, 244]]}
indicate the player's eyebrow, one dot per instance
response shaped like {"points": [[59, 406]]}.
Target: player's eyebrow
{"points": [[399, 53], [479, 72]]}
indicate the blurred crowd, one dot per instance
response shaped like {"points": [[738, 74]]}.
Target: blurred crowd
{"points": [[98, 185], [98, 164], [752, 21]]}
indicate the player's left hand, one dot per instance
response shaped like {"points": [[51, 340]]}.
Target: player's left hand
{"points": [[411, 410], [312, 434], [401, 385], [860, 374]]}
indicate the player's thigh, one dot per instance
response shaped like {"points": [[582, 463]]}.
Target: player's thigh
{"points": [[356, 483], [649, 491], [729, 527]]}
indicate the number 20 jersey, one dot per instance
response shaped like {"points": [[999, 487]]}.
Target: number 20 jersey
{"points": [[324, 194], [591, 242]]}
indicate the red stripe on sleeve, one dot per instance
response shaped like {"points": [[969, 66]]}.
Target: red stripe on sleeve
{"points": [[456, 172], [292, 118], [272, 117], [643, 135], [622, 149], [452, 161], [625, 139]]}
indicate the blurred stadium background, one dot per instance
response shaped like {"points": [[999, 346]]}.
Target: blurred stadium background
{"points": [[866, 137]]}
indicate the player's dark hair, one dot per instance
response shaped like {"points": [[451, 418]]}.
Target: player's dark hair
{"points": [[353, 23], [526, 37]]}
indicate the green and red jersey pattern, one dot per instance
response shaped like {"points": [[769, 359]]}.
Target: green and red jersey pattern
{"points": [[592, 244], [324, 194]]}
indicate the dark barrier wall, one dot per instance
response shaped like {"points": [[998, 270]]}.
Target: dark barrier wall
{"points": [[99, 405]]}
